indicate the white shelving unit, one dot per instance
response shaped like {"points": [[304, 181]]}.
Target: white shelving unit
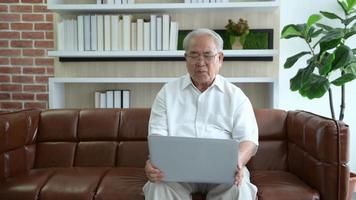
{"points": [[57, 85]]}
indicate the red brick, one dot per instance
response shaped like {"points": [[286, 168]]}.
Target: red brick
{"points": [[44, 44], [10, 52], [9, 17], [9, 1], [21, 26], [32, 17], [11, 105], [21, 43], [50, 70], [41, 79], [44, 61], [44, 26], [49, 17], [23, 96], [35, 88], [22, 61], [10, 87], [40, 105], [40, 8], [3, 8], [22, 79], [4, 61], [34, 70], [9, 35], [31, 1], [33, 35], [4, 43], [4, 79], [4, 26], [10, 70], [33, 52], [4, 96], [22, 8], [42, 97], [49, 35]]}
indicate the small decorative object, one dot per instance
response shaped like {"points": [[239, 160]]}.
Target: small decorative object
{"points": [[237, 33]]}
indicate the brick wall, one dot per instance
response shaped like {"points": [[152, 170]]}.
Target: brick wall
{"points": [[26, 34]]}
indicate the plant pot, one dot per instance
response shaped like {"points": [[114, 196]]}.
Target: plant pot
{"points": [[352, 183], [235, 42]]}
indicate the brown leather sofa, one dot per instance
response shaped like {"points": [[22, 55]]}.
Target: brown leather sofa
{"points": [[100, 154]]}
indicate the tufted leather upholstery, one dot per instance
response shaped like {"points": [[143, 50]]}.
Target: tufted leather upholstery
{"points": [[100, 153]]}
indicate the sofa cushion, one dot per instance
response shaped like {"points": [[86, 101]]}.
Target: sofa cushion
{"points": [[282, 184], [25, 186]]}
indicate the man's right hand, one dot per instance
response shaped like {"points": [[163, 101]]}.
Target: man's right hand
{"points": [[153, 174]]}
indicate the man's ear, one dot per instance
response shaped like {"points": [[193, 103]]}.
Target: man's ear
{"points": [[221, 57]]}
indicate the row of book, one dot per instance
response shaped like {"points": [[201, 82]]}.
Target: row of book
{"points": [[112, 99], [206, 1], [115, 1], [117, 33]]}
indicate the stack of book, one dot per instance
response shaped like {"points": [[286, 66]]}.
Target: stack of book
{"points": [[118, 33], [112, 99]]}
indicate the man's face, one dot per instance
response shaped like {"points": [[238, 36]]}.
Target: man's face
{"points": [[203, 60]]}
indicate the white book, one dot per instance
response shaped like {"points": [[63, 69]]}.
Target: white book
{"points": [[187, 1], [153, 35], [159, 33], [66, 34], [118, 1], [80, 21], [109, 99], [165, 32], [126, 32], [97, 99], [60, 36], [102, 99], [173, 36], [110, 1], [75, 34], [117, 98], [107, 32], [125, 98], [87, 41], [133, 36], [130, 1], [146, 36], [121, 36], [100, 32], [70, 35], [194, 1], [93, 33], [114, 32], [124, 1], [99, 2], [139, 35], [206, 1]]}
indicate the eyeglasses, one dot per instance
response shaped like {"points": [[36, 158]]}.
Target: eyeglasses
{"points": [[209, 56]]}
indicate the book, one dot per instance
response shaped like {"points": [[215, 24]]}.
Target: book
{"points": [[87, 36], [117, 99], [165, 32], [146, 36], [109, 99], [60, 36], [159, 33], [100, 32], [97, 99], [102, 99], [107, 32], [114, 32], [93, 33], [133, 36], [80, 23], [173, 37], [139, 35], [126, 32], [125, 98], [153, 35]]}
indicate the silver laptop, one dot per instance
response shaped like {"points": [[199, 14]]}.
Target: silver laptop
{"points": [[195, 160]]}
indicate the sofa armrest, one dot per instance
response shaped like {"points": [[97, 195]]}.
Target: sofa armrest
{"points": [[18, 131], [318, 153]]}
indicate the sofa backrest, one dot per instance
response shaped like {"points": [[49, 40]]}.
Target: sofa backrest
{"points": [[101, 137]]}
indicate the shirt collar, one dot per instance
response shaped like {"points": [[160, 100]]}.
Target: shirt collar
{"points": [[218, 82]]}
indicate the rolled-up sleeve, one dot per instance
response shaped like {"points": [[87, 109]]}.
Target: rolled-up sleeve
{"points": [[158, 119]]}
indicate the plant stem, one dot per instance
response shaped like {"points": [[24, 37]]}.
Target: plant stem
{"points": [[331, 103], [342, 105]]}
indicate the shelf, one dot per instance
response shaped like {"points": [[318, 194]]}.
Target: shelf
{"points": [[232, 55], [57, 85], [162, 7]]}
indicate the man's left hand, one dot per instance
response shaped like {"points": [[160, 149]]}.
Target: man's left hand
{"points": [[239, 176]]}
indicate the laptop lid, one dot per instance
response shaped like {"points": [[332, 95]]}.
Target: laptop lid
{"points": [[196, 160]]}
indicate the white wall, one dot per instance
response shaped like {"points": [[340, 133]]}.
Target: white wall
{"points": [[293, 11]]}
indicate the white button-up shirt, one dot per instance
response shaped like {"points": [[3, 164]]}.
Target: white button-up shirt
{"points": [[222, 111]]}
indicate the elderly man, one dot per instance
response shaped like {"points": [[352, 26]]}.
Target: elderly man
{"points": [[203, 104]]}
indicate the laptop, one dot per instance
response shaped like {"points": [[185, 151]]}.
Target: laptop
{"points": [[195, 160]]}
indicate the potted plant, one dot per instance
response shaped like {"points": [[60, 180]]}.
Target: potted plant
{"points": [[328, 54], [237, 33]]}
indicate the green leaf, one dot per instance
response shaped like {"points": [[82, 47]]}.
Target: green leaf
{"points": [[351, 68], [349, 20], [313, 19], [324, 46], [350, 33], [316, 87], [326, 64], [330, 15], [344, 79], [343, 56], [293, 30], [351, 4], [301, 78], [316, 33], [330, 36], [293, 59], [343, 5], [354, 51], [325, 27]]}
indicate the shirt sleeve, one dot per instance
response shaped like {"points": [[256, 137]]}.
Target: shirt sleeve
{"points": [[245, 126], [158, 124]]}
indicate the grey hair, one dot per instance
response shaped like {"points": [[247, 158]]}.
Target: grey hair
{"points": [[204, 31]]}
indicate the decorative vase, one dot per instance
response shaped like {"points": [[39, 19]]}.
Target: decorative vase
{"points": [[235, 42]]}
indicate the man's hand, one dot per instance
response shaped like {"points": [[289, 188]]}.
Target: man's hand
{"points": [[153, 174], [239, 175]]}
